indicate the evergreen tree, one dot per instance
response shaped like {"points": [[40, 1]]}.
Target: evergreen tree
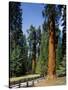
{"points": [[32, 40], [64, 31], [38, 40], [64, 37], [18, 45], [51, 12], [42, 62]]}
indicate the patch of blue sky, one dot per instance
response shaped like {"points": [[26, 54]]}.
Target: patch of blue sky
{"points": [[32, 15]]}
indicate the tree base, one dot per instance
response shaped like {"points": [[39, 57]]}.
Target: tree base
{"points": [[51, 77]]}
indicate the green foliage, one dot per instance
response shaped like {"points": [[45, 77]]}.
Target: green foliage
{"points": [[15, 16], [60, 63], [22, 52], [58, 54], [42, 62], [34, 40], [51, 12], [18, 45], [14, 56], [64, 30], [38, 41], [61, 49], [18, 60], [32, 45]]}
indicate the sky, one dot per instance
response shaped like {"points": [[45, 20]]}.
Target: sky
{"points": [[32, 15]]}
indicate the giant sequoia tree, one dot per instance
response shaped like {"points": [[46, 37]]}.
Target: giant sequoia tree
{"points": [[51, 12], [32, 41]]}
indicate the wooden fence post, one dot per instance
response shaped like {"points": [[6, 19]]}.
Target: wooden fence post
{"points": [[19, 84], [27, 84], [33, 82]]}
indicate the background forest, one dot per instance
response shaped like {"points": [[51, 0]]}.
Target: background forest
{"points": [[43, 50]]}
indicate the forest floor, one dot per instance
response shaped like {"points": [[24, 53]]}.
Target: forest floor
{"points": [[58, 81]]}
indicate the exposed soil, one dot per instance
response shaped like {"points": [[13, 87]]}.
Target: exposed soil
{"points": [[58, 81]]}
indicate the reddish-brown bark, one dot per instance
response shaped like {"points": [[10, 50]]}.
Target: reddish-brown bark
{"points": [[33, 65], [52, 52]]}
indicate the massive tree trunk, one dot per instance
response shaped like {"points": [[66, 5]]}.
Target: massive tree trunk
{"points": [[33, 65], [34, 58], [52, 52]]}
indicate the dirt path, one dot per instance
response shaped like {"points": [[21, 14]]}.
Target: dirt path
{"points": [[58, 81]]}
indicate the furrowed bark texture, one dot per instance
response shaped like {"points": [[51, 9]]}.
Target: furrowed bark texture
{"points": [[52, 52]]}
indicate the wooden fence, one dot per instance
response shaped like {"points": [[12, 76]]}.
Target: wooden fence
{"points": [[27, 80]]}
